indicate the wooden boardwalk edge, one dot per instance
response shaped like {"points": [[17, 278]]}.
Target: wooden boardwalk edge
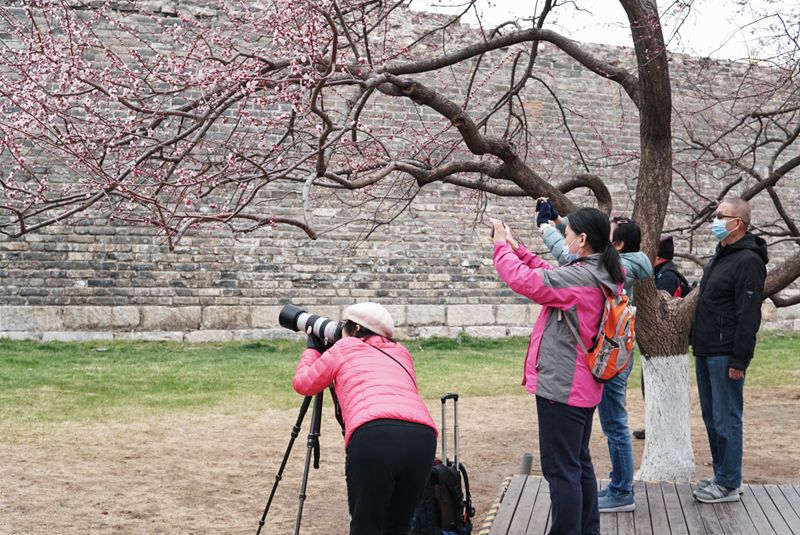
{"points": [[662, 507]]}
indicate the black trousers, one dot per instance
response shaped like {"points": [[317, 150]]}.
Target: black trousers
{"points": [[387, 466], [564, 433]]}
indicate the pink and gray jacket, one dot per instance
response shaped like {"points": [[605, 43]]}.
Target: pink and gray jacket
{"points": [[555, 367], [369, 384]]}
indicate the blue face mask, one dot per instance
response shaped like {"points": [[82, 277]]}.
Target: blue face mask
{"points": [[570, 257], [718, 227]]}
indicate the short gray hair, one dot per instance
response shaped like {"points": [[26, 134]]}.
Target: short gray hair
{"points": [[740, 207]]}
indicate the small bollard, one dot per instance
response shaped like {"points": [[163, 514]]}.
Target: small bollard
{"points": [[525, 465]]}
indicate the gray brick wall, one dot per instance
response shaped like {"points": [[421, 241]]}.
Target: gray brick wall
{"points": [[431, 267]]}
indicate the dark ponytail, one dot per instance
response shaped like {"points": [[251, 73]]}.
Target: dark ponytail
{"points": [[595, 225], [627, 232], [610, 259]]}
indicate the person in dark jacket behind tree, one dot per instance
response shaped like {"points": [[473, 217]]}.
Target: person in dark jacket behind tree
{"points": [[664, 269], [727, 319]]}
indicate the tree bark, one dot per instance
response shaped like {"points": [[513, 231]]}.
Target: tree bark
{"points": [[668, 451]]}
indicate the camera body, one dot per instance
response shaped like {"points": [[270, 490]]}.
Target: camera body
{"points": [[295, 318]]}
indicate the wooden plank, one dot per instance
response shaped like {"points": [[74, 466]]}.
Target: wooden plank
{"points": [[641, 515], [508, 505], [658, 510], [770, 511], [785, 508], [625, 523], [709, 516], [672, 505], [691, 510], [759, 520], [549, 512], [519, 524], [792, 496], [608, 523], [733, 518], [540, 517]]}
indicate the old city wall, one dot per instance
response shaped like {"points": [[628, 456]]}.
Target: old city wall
{"points": [[431, 266]]}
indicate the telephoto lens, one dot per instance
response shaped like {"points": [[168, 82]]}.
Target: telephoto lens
{"points": [[295, 318]]}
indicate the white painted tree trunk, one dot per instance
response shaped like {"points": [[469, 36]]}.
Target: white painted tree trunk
{"points": [[668, 454]]}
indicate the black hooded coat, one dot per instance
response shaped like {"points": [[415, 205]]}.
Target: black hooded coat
{"points": [[728, 312]]}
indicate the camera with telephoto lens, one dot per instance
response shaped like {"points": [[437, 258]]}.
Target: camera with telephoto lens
{"points": [[295, 318]]}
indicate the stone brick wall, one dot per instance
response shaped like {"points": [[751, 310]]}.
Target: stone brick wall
{"points": [[431, 267]]}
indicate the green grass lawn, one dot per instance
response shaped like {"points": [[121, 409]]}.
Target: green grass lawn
{"points": [[53, 382]]}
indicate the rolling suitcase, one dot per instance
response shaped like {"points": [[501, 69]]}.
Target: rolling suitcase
{"points": [[445, 507]]}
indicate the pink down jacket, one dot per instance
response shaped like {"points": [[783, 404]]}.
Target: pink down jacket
{"points": [[369, 384], [555, 367]]}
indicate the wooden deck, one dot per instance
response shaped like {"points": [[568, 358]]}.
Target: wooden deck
{"points": [[661, 508]]}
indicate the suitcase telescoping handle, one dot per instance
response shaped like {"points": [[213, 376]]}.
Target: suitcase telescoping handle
{"points": [[454, 397]]}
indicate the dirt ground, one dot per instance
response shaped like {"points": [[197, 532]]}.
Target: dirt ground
{"points": [[213, 473]]}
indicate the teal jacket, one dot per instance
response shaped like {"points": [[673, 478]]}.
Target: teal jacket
{"points": [[637, 265]]}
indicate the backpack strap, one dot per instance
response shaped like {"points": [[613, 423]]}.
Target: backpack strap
{"points": [[469, 511], [672, 268], [574, 332], [337, 409], [574, 329], [683, 284], [398, 363]]}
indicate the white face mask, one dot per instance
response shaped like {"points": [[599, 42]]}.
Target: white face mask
{"points": [[570, 256]]}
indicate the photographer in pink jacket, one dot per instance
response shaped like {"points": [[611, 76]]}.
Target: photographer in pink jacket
{"points": [[390, 437]]}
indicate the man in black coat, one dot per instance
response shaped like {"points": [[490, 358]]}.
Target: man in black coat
{"points": [[727, 319]]}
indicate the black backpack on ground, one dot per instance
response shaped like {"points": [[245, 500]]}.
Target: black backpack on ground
{"points": [[445, 508]]}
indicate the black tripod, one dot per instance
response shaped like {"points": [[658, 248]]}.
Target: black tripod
{"points": [[313, 447]]}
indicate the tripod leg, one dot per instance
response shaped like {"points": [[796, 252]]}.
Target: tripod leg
{"points": [[313, 447], [279, 475]]}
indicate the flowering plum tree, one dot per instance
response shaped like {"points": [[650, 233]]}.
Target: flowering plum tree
{"points": [[252, 114]]}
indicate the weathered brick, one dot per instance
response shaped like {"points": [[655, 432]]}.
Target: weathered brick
{"points": [[459, 315], [209, 335], [27, 318], [76, 336], [159, 317], [425, 315], [230, 317], [487, 331]]}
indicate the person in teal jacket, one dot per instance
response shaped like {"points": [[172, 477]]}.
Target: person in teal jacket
{"points": [[626, 238]]}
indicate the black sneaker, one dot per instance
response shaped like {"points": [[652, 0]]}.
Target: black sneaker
{"points": [[639, 434]]}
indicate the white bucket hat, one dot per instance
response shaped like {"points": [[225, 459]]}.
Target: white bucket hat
{"points": [[372, 316]]}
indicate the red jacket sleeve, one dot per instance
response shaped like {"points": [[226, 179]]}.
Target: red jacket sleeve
{"points": [[315, 372]]}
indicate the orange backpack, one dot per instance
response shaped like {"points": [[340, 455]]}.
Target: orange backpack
{"points": [[613, 346]]}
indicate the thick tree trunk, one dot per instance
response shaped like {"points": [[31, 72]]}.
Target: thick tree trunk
{"points": [[661, 322], [663, 336], [668, 442]]}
